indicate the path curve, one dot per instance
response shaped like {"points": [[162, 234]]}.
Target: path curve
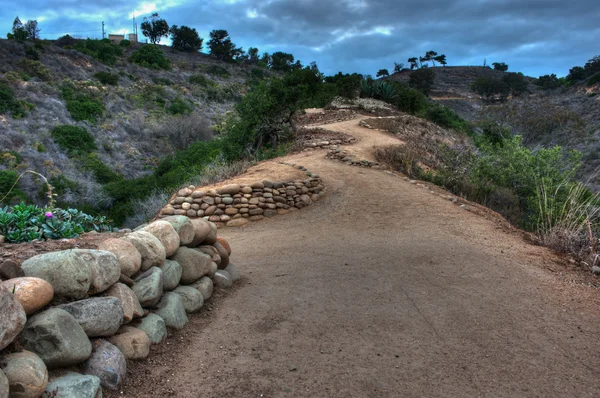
{"points": [[382, 289]]}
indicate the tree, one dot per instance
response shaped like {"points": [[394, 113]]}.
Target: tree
{"points": [[430, 56], [382, 73], [501, 66], [19, 32], [548, 82], [491, 88], [421, 60], [413, 63], [516, 83], [282, 62], [154, 28], [253, 55], [422, 80], [441, 59], [31, 27], [222, 47], [185, 38], [398, 67]]}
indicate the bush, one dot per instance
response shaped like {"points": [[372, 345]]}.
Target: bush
{"points": [[180, 107], [422, 80], [107, 78], [35, 68], [66, 41], [24, 223], [594, 79], [217, 70], [74, 140], [491, 88], [8, 187], [7, 98], [150, 56], [201, 80], [516, 83], [125, 43], [378, 89], [548, 82], [102, 172], [81, 106], [445, 117], [102, 50]]}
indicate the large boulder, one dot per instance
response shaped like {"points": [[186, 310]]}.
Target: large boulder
{"points": [[232, 270], [205, 286], [105, 271], [3, 385], [171, 274], [57, 338], [230, 189], [98, 316], [12, 317], [26, 373], [132, 342], [107, 363], [74, 385], [68, 271], [201, 230], [128, 257], [166, 234], [223, 254], [32, 293], [225, 244], [194, 264], [184, 227], [154, 326], [9, 269], [129, 301], [172, 310], [192, 298], [151, 249], [212, 235], [148, 287], [211, 251]]}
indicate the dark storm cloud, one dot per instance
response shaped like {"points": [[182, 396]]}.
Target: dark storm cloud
{"points": [[533, 36]]}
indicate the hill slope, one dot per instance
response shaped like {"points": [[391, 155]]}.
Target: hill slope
{"points": [[148, 113]]}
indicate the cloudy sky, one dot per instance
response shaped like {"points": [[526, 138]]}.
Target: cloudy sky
{"points": [[532, 36]]}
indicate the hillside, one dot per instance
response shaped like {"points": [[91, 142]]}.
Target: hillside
{"points": [[569, 117], [147, 114]]}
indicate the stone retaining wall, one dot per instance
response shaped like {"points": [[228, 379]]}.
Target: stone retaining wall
{"points": [[235, 205], [91, 310]]}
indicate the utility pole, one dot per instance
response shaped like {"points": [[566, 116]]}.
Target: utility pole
{"points": [[103, 33]]}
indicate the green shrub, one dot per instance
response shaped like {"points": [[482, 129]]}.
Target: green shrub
{"points": [[107, 78], [594, 79], [7, 98], [66, 41], [40, 147], [8, 187], [80, 105], [24, 223], [162, 80], [61, 185], [422, 80], [491, 88], [150, 56], [217, 70], [125, 43], [201, 80], [445, 117], [35, 68], [258, 73], [180, 107], [74, 140], [378, 89], [31, 53], [102, 172], [102, 50]]}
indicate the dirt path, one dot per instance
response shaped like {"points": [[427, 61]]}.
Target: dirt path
{"points": [[382, 289]]}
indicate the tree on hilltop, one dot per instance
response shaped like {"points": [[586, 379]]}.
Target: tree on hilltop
{"points": [[414, 64], [18, 31], [32, 30], [222, 47], [441, 59], [154, 28], [501, 66], [430, 56], [185, 38], [282, 62], [382, 73]]}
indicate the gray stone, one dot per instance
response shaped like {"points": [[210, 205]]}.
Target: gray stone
{"points": [[172, 310], [57, 338], [3, 385], [223, 253], [9, 270], [12, 317], [230, 189], [107, 363], [211, 251], [68, 271], [26, 374], [171, 274], [105, 271], [74, 385], [128, 257], [202, 229], [148, 287], [184, 228], [270, 213], [154, 326], [596, 270], [222, 279], [128, 299], [98, 316], [192, 298], [151, 249], [194, 264], [233, 272]]}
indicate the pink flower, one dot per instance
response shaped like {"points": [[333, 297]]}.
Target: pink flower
{"points": [[49, 214]]}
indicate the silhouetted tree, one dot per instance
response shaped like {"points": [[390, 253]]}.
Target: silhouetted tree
{"points": [[18, 30], [430, 56], [154, 28], [501, 66], [282, 62], [382, 73], [441, 59], [31, 27], [185, 38], [222, 47], [414, 64], [398, 67]]}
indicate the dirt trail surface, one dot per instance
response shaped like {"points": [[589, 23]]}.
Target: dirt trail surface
{"points": [[382, 289]]}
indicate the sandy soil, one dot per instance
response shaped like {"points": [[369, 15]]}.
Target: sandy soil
{"points": [[382, 289]]}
